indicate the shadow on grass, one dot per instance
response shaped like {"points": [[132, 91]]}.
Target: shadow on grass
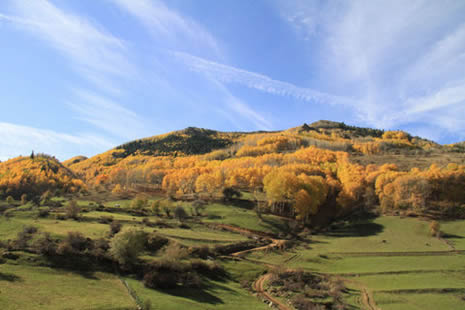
{"points": [[241, 203], [9, 277], [275, 225], [356, 229], [451, 236], [201, 295]]}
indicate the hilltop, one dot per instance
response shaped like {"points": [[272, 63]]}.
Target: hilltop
{"points": [[324, 134], [35, 175]]}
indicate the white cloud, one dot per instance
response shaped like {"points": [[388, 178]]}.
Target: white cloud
{"points": [[402, 59], [107, 115], [92, 51], [228, 74], [167, 24], [18, 139]]}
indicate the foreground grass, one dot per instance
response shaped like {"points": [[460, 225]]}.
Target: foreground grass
{"points": [[33, 287], [227, 295], [425, 301]]}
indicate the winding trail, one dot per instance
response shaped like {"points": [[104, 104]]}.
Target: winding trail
{"points": [[259, 287]]}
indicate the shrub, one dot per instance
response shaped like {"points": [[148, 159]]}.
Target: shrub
{"points": [[23, 237], [23, 199], [10, 200], [230, 192], [163, 279], [435, 229], [45, 245], [175, 252], [105, 219], [72, 210], [139, 203], [45, 197], [126, 246], [44, 212], [155, 242], [156, 208], [146, 221], [167, 211], [180, 213], [115, 227], [199, 206], [101, 246], [74, 243]]}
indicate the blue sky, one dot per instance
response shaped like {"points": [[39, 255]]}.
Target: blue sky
{"points": [[79, 77]]}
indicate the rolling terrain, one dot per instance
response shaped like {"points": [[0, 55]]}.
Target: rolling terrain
{"points": [[320, 216]]}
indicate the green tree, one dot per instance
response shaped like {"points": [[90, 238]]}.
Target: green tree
{"points": [[127, 245]]}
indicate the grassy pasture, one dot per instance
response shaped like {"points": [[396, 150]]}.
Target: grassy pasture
{"points": [[225, 295], [419, 301], [409, 270], [242, 217], [454, 232], [33, 287]]}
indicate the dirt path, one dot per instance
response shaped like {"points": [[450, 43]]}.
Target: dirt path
{"points": [[367, 299], [259, 287], [275, 243], [244, 231]]}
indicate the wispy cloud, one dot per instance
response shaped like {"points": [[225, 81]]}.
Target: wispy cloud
{"points": [[90, 49], [229, 74], [93, 53], [401, 59], [18, 139], [167, 24], [107, 115]]}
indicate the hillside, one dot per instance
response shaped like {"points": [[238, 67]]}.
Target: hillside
{"points": [[349, 166], [35, 175], [204, 219]]}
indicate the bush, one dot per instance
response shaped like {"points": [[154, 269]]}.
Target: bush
{"points": [[230, 192], [115, 227], [74, 243], [23, 199], [156, 208], [155, 242], [162, 279], [105, 219], [23, 237], [180, 213], [199, 206], [435, 229], [146, 221], [45, 245], [10, 200], [101, 247], [175, 252], [72, 210], [139, 203], [44, 212], [126, 246]]}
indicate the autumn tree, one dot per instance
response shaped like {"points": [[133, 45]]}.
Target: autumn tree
{"points": [[72, 210]]}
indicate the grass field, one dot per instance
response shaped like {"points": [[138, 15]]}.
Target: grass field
{"points": [[409, 264], [242, 217], [34, 287], [395, 259]]}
